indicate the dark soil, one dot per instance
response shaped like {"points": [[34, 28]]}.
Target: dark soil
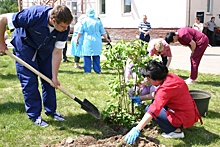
{"points": [[114, 138]]}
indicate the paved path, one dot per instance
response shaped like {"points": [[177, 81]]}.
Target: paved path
{"points": [[210, 62]]}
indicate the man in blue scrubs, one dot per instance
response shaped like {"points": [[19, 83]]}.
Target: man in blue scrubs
{"points": [[40, 35]]}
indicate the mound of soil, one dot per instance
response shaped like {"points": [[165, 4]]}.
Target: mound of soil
{"points": [[114, 139]]}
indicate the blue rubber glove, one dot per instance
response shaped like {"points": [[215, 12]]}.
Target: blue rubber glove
{"points": [[132, 135], [136, 99]]}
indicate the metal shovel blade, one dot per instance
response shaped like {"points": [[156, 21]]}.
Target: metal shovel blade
{"points": [[89, 107]]}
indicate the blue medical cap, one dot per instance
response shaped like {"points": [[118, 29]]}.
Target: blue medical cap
{"points": [[90, 12]]}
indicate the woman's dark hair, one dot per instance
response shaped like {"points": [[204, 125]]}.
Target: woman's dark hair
{"points": [[169, 37], [197, 18], [155, 70]]}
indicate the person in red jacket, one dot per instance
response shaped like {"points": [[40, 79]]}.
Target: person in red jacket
{"points": [[173, 108]]}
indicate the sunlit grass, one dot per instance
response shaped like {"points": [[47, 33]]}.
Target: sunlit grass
{"points": [[18, 131]]}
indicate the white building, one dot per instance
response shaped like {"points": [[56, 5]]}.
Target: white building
{"points": [[160, 13], [123, 14]]}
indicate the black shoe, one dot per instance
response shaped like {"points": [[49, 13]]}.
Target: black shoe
{"points": [[65, 60]]}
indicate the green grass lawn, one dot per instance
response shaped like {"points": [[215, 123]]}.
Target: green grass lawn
{"points": [[18, 131]]}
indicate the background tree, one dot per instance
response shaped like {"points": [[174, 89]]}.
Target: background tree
{"points": [[8, 6]]}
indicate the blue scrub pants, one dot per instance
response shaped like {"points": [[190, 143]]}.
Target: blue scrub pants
{"points": [[163, 122], [95, 62], [29, 84]]}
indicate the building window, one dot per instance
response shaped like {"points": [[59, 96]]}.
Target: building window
{"points": [[102, 7], [209, 6], [127, 6]]}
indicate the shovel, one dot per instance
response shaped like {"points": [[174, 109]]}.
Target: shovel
{"points": [[85, 104]]}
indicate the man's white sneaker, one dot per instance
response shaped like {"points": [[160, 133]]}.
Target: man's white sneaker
{"points": [[56, 115], [173, 135], [40, 122], [189, 81]]}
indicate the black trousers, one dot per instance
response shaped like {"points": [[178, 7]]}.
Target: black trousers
{"points": [[64, 52], [210, 36], [164, 59], [76, 59]]}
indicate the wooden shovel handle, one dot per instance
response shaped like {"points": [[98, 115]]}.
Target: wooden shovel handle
{"points": [[38, 73]]}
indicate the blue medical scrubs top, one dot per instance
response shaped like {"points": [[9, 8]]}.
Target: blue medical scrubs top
{"points": [[76, 50], [92, 30], [32, 32]]}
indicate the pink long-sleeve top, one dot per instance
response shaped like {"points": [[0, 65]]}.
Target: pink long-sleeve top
{"points": [[152, 50]]}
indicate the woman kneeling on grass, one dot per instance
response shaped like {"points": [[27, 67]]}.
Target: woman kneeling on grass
{"points": [[172, 109]]}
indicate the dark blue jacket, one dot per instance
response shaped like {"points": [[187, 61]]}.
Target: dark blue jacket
{"points": [[32, 32]]}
